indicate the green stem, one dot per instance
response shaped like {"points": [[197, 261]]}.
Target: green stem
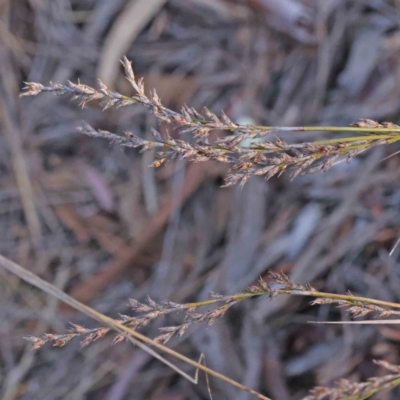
{"points": [[389, 131], [329, 128], [297, 292], [357, 138], [374, 390]]}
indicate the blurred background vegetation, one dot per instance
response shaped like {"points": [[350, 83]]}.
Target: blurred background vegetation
{"points": [[95, 221]]}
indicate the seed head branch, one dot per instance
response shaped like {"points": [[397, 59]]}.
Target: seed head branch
{"points": [[346, 390], [357, 306], [265, 159], [261, 158]]}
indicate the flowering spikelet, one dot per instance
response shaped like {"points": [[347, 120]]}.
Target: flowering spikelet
{"points": [[260, 158]]}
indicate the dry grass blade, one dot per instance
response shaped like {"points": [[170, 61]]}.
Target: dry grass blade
{"points": [[133, 336], [394, 247], [8, 116], [124, 31]]}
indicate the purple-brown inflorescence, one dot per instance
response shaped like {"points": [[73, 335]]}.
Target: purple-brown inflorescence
{"points": [[258, 158], [280, 284], [346, 390]]}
